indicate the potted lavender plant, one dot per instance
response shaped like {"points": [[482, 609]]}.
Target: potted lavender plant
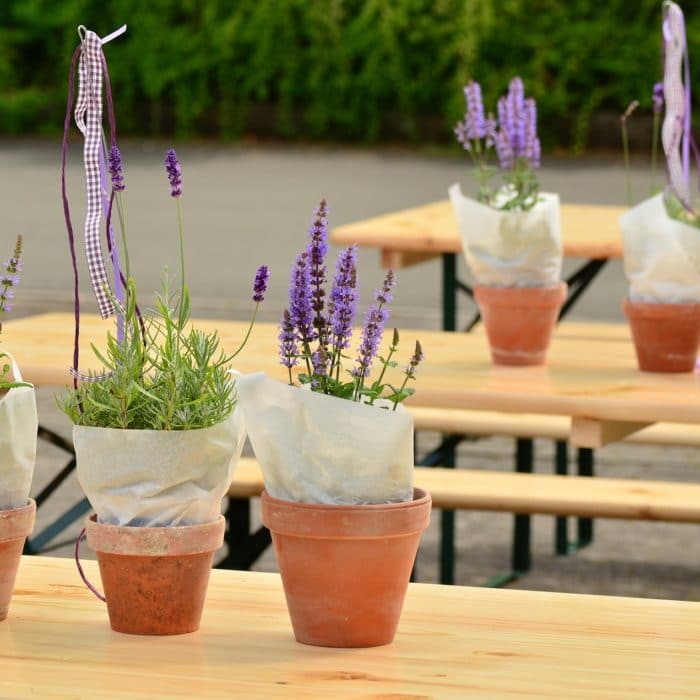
{"points": [[18, 427], [336, 450], [510, 233], [156, 433], [660, 235]]}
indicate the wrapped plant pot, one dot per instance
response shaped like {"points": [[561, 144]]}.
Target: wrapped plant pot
{"points": [[157, 433], [18, 431], [661, 235], [511, 234], [337, 458]]}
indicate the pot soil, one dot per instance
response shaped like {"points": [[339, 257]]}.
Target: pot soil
{"points": [[666, 336], [519, 321], [15, 525], [155, 578], [345, 568]]}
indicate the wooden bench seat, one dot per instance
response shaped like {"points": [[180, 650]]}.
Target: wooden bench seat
{"points": [[541, 494], [530, 425]]}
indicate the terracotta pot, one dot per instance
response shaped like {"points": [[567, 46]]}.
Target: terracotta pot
{"points": [[519, 321], [155, 578], [666, 336], [345, 569], [15, 525]]}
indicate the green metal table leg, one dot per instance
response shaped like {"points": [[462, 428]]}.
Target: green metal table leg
{"points": [[524, 458], [447, 537], [561, 463], [449, 323], [585, 468], [449, 292]]}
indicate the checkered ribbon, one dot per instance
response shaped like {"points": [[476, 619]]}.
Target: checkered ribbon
{"points": [[88, 118]]}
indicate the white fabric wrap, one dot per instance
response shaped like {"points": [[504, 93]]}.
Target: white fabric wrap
{"points": [[314, 448], [662, 255], [510, 248], [18, 427], [158, 478]]}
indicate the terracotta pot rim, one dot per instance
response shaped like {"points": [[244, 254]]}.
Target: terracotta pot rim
{"points": [[17, 522], [658, 308], [176, 540], [546, 297], [420, 496], [321, 521]]}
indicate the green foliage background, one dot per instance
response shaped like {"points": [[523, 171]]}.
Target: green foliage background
{"points": [[358, 70]]}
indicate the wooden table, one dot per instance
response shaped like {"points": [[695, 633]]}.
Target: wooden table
{"points": [[452, 642], [591, 378], [591, 375], [422, 233]]}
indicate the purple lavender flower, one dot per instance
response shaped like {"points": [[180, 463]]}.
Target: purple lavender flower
{"points": [[531, 148], [460, 132], [172, 167], [289, 348], [300, 308], [515, 116], [260, 284], [474, 122], [343, 298], [10, 276], [372, 333], [375, 319], [657, 98], [504, 150], [316, 250], [319, 363], [490, 131], [415, 360], [384, 295], [115, 169]]}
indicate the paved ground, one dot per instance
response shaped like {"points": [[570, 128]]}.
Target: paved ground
{"points": [[246, 205]]}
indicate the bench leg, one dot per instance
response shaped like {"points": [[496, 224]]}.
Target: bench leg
{"points": [[585, 468], [447, 534], [520, 553], [244, 546], [561, 467], [524, 458]]}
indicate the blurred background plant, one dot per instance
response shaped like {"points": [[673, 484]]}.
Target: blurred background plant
{"points": [[349, 70]]}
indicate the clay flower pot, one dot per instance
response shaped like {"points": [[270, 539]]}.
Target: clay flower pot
{"points": [[345, 568], [519, 321], [155, 578], [15, 525], [666, 336]]}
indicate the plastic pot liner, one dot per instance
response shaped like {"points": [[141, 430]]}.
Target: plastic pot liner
{"points": [[661, 255], [510, 248], [18, 428], [158, 478], [314, 448]]}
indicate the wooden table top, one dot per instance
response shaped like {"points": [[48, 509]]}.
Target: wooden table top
{"points": [[591, 372], [412, 235], [452, 642]]}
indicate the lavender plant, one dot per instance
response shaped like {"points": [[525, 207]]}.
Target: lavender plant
{"points": [[9, 281], [160, 373], [513, 136], [316, 329]]}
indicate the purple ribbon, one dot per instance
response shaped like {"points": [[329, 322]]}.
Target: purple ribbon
{"points": [[88, 118], [676, 128]]}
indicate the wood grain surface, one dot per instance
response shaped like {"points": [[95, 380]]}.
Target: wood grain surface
{"points": [[591, 371], [413, 235], [452, 643]]}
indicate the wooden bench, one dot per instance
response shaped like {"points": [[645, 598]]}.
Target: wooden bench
{"points": [[481, 490], [530, 425]]}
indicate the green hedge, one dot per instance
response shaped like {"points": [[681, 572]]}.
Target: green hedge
{"points": [[361, 70]]}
